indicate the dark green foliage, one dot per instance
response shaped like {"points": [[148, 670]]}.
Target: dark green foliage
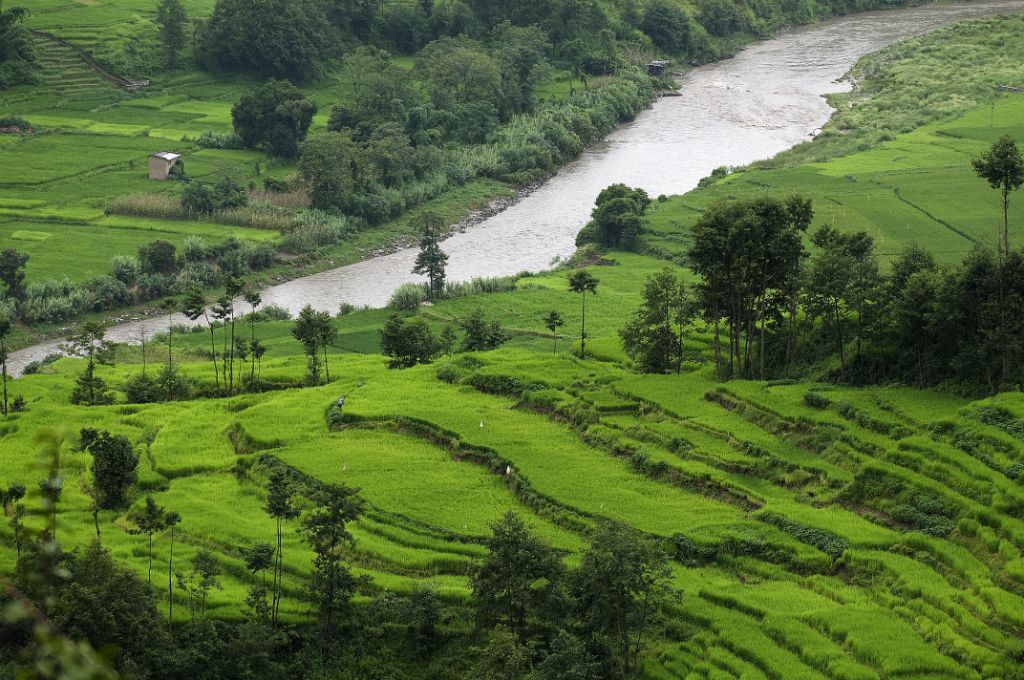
{"points": [[171, 18], [480, 333], [515, 581], [275, 116], [407, 341], [273, 39], [653, 338], [113, 466], [228, 193], [616, 218], [823, 540], [431, 260], [325, 530], [158, 257], [1002, 166], [12, 273], [622, 584], [327, 163], [817, 400], [667, 26], [583, 282], [316, 332], [16, 54]]}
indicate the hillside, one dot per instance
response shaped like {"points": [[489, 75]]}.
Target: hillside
{"points": [[810, 529]]}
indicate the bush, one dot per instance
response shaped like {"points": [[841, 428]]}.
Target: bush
{"points": [[816, 400], [197, 200], [209, 139], [314, 229], [408, 296], [108, 293], [125, 269]]}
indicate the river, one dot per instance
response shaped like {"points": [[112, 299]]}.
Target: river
{"points": [[766, 99]]}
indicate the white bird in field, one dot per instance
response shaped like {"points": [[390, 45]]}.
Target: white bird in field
{"points": [[481, 423]]}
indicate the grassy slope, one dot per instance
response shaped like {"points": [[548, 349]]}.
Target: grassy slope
{"points": [[918, 186], [902, 603]]}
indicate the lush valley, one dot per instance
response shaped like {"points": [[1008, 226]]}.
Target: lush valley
{"points": [[794, 526]]}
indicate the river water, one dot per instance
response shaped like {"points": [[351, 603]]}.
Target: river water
{"points": [[763, 101]]}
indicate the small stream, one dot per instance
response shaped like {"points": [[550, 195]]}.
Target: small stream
{"points": [[763, 101]]}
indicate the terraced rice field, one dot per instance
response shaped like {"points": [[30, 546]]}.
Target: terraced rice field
{"points": [[918, 188], [877, 537]]}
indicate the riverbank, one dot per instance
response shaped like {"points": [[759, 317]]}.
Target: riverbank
{"points": [[764, 100]]}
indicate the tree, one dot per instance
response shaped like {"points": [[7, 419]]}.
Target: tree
{"points": [[10, 500], [232, 288], [503, 657], [12, 271], [16, 52], [749, 255], [622, 584], [431, 260], [253, 299], [277, 39], [110, 607], [150, 520], [280, 507], [114, 464], [583, 282], [197, 199], [407, 341], [616, 218], [553, 321], [649, 338], [481, 334], [569, 659], [90, 343], [843, 276], [170, 305], [329, 165], [158, 257], [1002, 165], [505, 585], [315, 331], [171, 18], [667, 26], [199, 582], [325, 529], [194, 306], [258, 559], [275, 115], [171, 520], [5, 330]]}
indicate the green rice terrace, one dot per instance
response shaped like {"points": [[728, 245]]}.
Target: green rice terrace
{"points": [[769, 429], [861, 533]]}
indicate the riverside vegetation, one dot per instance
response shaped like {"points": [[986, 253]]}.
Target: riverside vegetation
{"points": [[382, 83], [634, 465]]}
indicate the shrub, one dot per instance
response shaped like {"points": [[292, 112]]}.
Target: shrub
{"points": [[408, 296], [108, 293], [208, 139], [816, 400], [125, 269], [197, 200]]}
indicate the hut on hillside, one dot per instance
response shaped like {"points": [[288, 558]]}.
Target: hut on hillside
{"points": [[160, 164]]}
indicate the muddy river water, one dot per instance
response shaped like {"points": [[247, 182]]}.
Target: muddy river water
{"points": [[766, 99]]}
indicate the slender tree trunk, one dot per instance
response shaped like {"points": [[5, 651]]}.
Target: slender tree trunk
{"points": [[583, 329], [718, 348], [3, 370], [231, 380], [96, 520], [150, 573], [791, 335], [1006, 220], [170, 339], [252, 347], [327, 366], [839, 335], [213, 353], [170, 587]]}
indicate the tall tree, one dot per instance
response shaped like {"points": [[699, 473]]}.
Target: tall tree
{"points": [[325, 528], [275, 115], [553, 321], [583, 282], [91, 344], [16, 52], [171, 519], [258, 559], [431, 260], [150, 520], [315, 331], [171, 17], [622, 584], [114, 464], [1002, 166], [194, 306], [253, 299], [280, 507], [232, 288], [5, 330], [12, 273], [649, 338], [505, 586], [170, 306]]}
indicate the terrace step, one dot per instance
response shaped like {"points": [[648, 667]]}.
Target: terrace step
{"points": [[65, 67]]}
